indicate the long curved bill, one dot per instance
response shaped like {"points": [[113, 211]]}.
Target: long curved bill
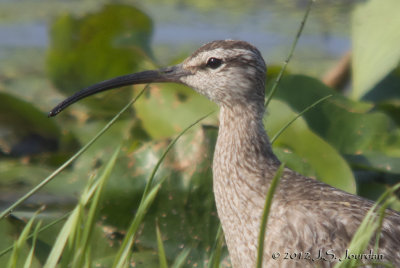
{"points": [[169, 74]]}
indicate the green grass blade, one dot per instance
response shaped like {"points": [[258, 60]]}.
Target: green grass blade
{"points": [[161, 250], [122, 257], [28, 261], [71, 227], [294, 44], [297, 116], [264, 219], [12, 263], [80, 254], [170, 145], [370, 225], [215, 258], [75, 236], [181, 258], [70, 160], [390, 197], [46, 227]]}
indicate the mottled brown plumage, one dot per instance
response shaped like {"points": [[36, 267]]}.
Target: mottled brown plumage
{"points": [[306, 215]]}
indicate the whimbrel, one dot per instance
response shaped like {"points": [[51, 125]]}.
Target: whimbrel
{"points": [[307, 217]]}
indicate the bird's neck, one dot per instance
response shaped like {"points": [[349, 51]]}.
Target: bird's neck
{"points": [[243, 158], [243, 145], [243, 168]]}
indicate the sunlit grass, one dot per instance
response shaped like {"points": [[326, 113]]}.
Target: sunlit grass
{"points": [[13, 261], [264, 219], [73, 240], [370, 226], [161, 250], [215, 257]]}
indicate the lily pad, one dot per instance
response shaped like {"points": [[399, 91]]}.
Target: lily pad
{"points": [[318, 158], [376, 39], [112, 42], [351, 127], [376, 162]]}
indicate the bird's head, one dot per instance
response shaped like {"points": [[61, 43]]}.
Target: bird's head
{"points": [[227, 72]]}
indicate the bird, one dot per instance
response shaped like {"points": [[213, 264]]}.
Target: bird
{"points": [[307, 217]]}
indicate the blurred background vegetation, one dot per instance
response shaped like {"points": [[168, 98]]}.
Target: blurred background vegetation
{"points": [[50, 49]]}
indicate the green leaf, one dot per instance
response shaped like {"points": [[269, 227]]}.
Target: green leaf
{"points": [[112, 42], [351, 127], [320, 159], [169, 108], [376, 162], [297, 116], [376, 39], [386, 94]]}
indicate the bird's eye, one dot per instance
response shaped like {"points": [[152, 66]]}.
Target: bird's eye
{"points": [[214, 63]]}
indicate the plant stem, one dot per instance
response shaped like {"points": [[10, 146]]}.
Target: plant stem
{"points": [[285, 63]]}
